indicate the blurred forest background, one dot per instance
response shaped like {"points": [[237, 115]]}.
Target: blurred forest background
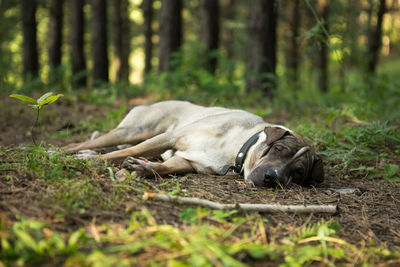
{"points": [[287, 52]]}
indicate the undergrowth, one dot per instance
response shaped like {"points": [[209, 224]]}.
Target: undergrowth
{"points": [[369, 150], [143, 241], [43, 162]]}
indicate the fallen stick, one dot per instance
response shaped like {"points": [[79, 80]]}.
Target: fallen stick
{"points": [[273, 208]]}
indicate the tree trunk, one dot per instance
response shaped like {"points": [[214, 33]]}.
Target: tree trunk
{"points": [[352, 33], [147, 7], [99, 41], [262, 45], [292, 55], [77, 43], [121, 39], [170, 32], [209, 30], [31, 63], [323, 53], [229, 15], [55, 32], [375, 38]]}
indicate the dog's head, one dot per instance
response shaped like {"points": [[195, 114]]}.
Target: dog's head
{"points": [[281, 158]]}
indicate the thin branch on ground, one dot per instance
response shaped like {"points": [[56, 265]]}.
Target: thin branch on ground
{"points": [[273, 208]]}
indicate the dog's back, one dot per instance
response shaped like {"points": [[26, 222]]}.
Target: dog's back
{"points": [[170, 115]]}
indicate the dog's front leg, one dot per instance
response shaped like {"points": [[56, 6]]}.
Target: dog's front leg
{"points": [[144, 167], [152, 147]]}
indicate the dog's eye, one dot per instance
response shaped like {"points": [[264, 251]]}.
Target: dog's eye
{"points": [[278, 148]]}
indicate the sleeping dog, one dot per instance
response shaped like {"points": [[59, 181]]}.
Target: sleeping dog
{"points": [[209, 140]]}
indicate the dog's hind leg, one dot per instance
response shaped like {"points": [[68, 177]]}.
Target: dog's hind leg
{"points": [[141, 123], [115, 137], [152, 147], [142, 167]]}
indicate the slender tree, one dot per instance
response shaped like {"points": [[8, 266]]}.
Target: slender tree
{"points": [[170, 32], [228, 13], [292, 54], [209, 30], [121, 39], [55, 32], [351, 35], [31, 62], [375, 38], [147, 6], [323, 53], [99, 40], [262, 45], [77, 43]]}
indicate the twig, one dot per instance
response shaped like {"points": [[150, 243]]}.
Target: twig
{"points": [[274, 208], [13, 191]]}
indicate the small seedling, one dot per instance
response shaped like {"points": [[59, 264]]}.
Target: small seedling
{"points": [[37, 105]]}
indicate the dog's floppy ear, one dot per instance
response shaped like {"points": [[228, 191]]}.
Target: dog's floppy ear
{"points": [[274, 133], [317, 173]]}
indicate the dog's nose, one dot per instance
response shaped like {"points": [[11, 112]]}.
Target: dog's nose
{"points": [[270, 176]]}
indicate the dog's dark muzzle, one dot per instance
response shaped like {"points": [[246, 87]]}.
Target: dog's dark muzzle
{"points": [[267, 175], [278, 173]]}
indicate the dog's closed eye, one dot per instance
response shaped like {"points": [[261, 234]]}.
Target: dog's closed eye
{"points": [[278, 148]]}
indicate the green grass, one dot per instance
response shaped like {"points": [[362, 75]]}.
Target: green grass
{"points": [[369, 150], [143, 241], [43, 162]]}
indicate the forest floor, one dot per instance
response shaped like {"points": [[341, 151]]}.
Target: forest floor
{"points": [[369, 216]]}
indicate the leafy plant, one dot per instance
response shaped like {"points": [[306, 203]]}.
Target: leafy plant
{"points": [[37, 104], [191, 215], [31, 241], [221, 215], [368, 150], [176, 191]]}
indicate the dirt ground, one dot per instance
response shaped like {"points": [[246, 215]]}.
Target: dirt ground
{"points": [[370, 212]]}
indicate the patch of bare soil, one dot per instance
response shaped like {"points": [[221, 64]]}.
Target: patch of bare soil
{"points": [[369, 212]]}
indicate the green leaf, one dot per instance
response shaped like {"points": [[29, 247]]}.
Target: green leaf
{"points": [[44, 97], [6, 246], [131, 248], [222, 214], [189, 215], [74, 238], [391, 169], [176, 191], [50, 99], [334, 226], [26, 239], [24, 98], [257, 252], [111, 173]]}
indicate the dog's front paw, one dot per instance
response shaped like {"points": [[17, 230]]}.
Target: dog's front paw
{"points": [[86, 154], [70, 148], [141, 167]]}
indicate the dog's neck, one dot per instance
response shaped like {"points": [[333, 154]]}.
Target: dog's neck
{"points": [[253, 154]]}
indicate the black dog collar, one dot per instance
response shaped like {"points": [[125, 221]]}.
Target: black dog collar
{"points": [[238, 167]]}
